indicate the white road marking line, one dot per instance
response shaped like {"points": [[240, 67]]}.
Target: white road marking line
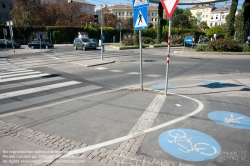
{"points": [[101, 68], [178, 105], [23, 77], [55, 58], [133, 73], [19, 74], [116, 71], [37, 89], [120, 139], [153, 75], [12, 70]]}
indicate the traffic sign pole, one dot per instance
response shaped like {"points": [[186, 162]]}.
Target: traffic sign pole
{"points": [[101, 38], [168, 56], [141, 71]]}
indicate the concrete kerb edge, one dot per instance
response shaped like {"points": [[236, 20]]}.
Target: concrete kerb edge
{"points": [[99, 64]]}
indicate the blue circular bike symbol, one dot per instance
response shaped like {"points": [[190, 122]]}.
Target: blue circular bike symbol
{"points": [[230, 119], [162, 86], [190, 145]]}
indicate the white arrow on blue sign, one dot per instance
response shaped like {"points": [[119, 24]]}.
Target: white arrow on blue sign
{"points": [[141, 18], [140, 3]]}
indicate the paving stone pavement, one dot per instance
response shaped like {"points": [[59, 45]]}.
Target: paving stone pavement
{"points": [[125, 154]]}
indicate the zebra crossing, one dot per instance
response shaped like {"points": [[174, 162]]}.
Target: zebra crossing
{"points": [[54, 58], [21, 87]]}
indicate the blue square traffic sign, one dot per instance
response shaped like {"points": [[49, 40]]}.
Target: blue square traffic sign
{"points": [[140, 3], [140, 18]]}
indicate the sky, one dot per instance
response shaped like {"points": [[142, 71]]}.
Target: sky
{"points": [[109, 2]]}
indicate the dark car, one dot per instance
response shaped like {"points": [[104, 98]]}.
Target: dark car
{"points": [[94, 40], [2, 44], [38, 44], [84, 43], [8, 44]]}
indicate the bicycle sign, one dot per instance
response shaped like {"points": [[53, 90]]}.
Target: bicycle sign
{"points": [[190, 145], [230, 119]]}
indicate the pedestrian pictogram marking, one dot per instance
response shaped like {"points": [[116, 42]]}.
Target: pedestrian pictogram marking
{"points": [[140, 3], [140, 18]]}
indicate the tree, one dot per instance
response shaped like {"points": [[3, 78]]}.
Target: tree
{"points": [[246, 18], [110, 20], [231, 19], [203, 26], [160, 20], [218, 30]]}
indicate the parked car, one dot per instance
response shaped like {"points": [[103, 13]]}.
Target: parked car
{"points": [[38, 44], [95, 40], [84, 43], [2, 44], [8, 44]]}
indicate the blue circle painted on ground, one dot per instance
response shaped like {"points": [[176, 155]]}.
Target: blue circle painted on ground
{"points": [[162, 86], [214, 84], [230, 119], [190, 145], [189, 40]]}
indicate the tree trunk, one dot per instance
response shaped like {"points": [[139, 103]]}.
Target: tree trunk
{"points": [[246, 18], [159, 27], [231, 19]]}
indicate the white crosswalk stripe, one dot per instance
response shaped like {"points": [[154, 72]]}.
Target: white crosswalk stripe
{"points": [[20, 88]]}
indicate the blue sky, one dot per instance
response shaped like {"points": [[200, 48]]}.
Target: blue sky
{"points": [[98, 2]]}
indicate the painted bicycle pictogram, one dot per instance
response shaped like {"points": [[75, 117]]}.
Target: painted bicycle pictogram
{"points": [[186, 145]]}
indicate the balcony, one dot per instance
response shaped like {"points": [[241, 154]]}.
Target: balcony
{"points": [[198, 18], [198, 13]]}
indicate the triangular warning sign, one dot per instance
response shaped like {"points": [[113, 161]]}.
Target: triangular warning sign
{"points": [[169, 6], [140, 21], [140, 2]]}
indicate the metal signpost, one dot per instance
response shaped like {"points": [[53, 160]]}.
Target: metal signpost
{"points": [[40, 33], [10, 23], [140, 22], [169, 7], [102, 49]]}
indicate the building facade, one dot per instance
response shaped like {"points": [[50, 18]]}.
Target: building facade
{"points": [[126, 11], [5, 8], [202, 12]]}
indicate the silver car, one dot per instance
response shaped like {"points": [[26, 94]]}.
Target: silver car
{"points": [[84, 44]]}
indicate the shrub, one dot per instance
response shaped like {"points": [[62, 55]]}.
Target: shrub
{"points": [[245, 48], [177, 41], [128, 42], [147, 40], [203, 47], [224, 45]]}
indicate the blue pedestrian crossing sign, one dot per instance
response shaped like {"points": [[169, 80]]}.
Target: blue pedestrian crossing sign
{"points": [[141, 18], [140, 3]]}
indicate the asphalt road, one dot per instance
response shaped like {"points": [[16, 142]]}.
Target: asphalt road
{"points": [[101, 103]]}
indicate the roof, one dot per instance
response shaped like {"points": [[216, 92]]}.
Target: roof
{"points": [[129, 6], [222, 9], [202, 6]]}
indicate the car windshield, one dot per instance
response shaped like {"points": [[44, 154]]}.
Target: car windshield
{"points": [[85, 40]]}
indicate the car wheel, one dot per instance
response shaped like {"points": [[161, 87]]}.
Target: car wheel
{"points": [[75, 47], [84, 48], [94, 48], [47, 47], [32, 47]]}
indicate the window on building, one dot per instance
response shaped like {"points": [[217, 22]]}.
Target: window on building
{"points": [[203, 16], [152, 13], [215, 23], [148, 13], [10, 5], [152, 19], [211, 24], [131, 13], [206, 16], [116, 13], [216, 17], [223, 16], [3, 5], [123, 13], [212, 18], [119, 13], [155, 19]]}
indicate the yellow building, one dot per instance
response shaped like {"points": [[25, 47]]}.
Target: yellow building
{"points": [[126, 11], [202, 12]]}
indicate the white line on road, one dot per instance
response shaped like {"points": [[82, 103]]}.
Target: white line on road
{"points": [[19, 74], [120, 139], [178, 105], [133, 73], [23, 77], [153, 75], [116, 71], [101, 68], [37, 89]]}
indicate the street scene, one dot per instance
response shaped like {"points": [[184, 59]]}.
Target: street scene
{"points": [[52, 102]]}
